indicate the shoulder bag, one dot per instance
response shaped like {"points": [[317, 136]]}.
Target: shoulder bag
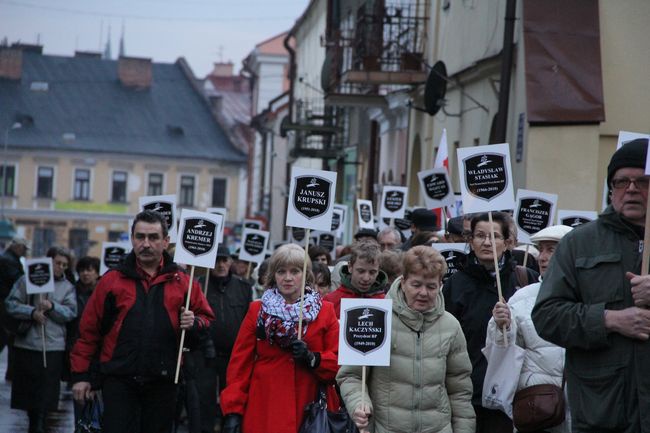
{"points": [[319, 420], [538, 407]]}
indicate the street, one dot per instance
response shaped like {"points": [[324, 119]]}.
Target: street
{"points": [[15, 421]]}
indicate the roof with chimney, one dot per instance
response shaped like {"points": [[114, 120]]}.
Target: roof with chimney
{"points": [[125, 106]]}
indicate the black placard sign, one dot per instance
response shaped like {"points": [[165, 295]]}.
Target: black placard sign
{"points": [[454, 260], [199, 236], [365, 329], [253, 225], [534, 214], [312, 196], [164, 208], [365, 212], [254, 244], [113, 256], [394, 201], [297, 233], [39, 274], [574, 221], [485, 175], [336, 221], [436, 186], [326, 240], [403, 223]]}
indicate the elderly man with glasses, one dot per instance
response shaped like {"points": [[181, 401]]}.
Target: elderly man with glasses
{"points": [[594, 302]]}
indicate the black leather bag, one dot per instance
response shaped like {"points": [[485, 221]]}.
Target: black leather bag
{"points": [[319, 420]]}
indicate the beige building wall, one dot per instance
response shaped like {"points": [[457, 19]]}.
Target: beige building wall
{"points": [[99, 215]]}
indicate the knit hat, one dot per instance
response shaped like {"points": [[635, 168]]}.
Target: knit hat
{"points": [[425, 220], [630, 154]]}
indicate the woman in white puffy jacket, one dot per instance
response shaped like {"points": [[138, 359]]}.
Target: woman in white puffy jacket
{"points": [[543, 361]]}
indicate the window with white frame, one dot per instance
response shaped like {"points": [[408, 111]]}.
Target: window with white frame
{"points": [[219, 188], [8, 183], [118, 187], [155, 184], [44, 182], [81, 184], [186, 197]]}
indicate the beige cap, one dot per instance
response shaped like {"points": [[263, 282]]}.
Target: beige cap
{"points": [[551, 233]]}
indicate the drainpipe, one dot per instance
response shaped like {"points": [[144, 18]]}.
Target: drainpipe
{"points": [[506, 72], [292, 71]]}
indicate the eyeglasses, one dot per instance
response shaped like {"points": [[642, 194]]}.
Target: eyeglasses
{"points": [[624, 182], [481, 237]]}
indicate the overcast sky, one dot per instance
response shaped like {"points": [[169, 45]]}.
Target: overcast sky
{"points": [[202, 31]]}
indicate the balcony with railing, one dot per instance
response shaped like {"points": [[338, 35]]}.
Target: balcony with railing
{"points": [[378, 51], [320, 130]]}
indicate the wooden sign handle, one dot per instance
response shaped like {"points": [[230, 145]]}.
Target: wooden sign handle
{"points": [[40, 299], [187, 307], [496, 270], [363, 386], [205, 284], [302, 285], [526, 256], [646, 242]]}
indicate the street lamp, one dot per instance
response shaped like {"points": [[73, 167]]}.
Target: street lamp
{"points": [[15, 125]]}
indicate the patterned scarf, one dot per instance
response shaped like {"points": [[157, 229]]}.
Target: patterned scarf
{"points": [[280, 320]]}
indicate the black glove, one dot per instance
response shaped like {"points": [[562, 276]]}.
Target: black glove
{"points": [[303, 354], [231, 423]]}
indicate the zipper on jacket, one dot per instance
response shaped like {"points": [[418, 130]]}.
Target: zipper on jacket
{"points": [[418, 381]]}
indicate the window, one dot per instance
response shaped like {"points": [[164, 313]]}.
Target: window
{"points": [[8, 185], [187, 191], [219, 192], [155, 184], [44, 238], [119, 186], [45, 182], [82, 184], [78, 242]]}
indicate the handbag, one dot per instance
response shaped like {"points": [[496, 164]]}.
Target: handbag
{"points": [[319, 420], [539, 407], [91, 417], [502, 376]]}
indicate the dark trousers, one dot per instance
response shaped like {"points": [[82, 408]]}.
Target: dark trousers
{"points": [[492, 421], [211, 381], [138, 406]]}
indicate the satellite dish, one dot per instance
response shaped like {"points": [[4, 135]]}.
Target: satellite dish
{"points": [[284, 126], [435, 88]]}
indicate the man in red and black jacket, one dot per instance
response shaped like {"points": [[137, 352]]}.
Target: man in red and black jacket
{"points": [[132, 324]]}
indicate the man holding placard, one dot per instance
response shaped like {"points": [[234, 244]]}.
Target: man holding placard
{"points": [[594, 301], [132, 323]]}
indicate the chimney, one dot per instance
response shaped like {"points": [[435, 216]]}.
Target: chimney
{"points": [[222, 69], [134, 71], [11, 63]]}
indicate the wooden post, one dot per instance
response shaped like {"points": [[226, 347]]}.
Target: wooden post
{"points": [[40, 298], [248, 271], [496, 270], [526, 256], [205, 284], [302, 285], [363, 386], [646, 242], [187, 307]]}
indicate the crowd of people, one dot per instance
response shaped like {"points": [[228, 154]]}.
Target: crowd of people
{"points": [[258, 353]]}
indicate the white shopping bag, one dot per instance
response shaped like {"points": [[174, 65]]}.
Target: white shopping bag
{"points": [[502, 376]]}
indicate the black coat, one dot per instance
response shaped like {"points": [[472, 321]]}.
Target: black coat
{"points": [[10, 270], [470, 295], [229, 298]]}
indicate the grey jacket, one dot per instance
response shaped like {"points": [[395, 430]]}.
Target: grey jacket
{"points": [[607, 374], [65, 309], [427, 387]]}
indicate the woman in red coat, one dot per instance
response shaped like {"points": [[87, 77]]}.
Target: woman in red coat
{"points": [[272, 375]]}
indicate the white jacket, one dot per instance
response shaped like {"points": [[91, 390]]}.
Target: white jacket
{"points": [[543, 361]]}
